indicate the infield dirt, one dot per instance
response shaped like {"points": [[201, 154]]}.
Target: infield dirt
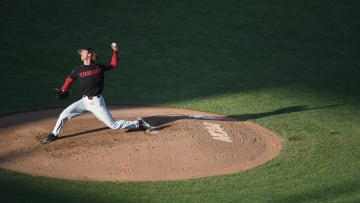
{"points": [[185, 144]]}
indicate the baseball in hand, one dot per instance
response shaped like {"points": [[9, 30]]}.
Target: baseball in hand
{"points": [[114, 46]]}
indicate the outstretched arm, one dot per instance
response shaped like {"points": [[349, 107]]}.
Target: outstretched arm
{"points": [[114, 58]]}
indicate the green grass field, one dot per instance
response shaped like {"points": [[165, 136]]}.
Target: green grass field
{"points": [[292, 67]]}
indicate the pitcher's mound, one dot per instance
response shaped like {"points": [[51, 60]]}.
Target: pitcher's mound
{"points": [[184, 144]]}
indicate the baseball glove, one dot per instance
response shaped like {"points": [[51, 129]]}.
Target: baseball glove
{"points": [[60, 94]]}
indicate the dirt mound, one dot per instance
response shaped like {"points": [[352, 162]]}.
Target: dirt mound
{"points": [[185, 144]]}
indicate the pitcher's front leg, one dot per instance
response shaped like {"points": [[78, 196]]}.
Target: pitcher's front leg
{"points": [[72, 111]]}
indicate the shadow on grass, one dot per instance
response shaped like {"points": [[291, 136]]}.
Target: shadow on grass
{"points": [[287, 110], [161, 122], [164, 119]]}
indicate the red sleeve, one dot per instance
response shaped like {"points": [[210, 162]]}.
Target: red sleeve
{"points": [[114, 60], [68, 82]]}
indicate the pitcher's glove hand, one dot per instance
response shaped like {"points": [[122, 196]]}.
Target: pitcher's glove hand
{"points": [[61, 94]]}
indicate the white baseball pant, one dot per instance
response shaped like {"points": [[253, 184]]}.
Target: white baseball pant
{"points": [[97, 106]]}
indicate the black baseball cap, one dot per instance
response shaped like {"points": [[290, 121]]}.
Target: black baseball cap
{"points": [[88, 49]]}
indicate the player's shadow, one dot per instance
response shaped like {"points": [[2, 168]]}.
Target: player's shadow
{"points": [[160, 122], [83, 133], [163, 121]]}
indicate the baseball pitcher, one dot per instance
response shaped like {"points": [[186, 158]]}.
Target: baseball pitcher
{"points": [[91, 78]]}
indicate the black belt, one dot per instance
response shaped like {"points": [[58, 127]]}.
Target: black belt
{"points": [[91, 97]]}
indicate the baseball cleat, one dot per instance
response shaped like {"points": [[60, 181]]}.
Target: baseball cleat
{"points": [[144, 125], [50, 138]]}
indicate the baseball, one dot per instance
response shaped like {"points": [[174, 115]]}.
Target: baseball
{"points": [[113, 44]]}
